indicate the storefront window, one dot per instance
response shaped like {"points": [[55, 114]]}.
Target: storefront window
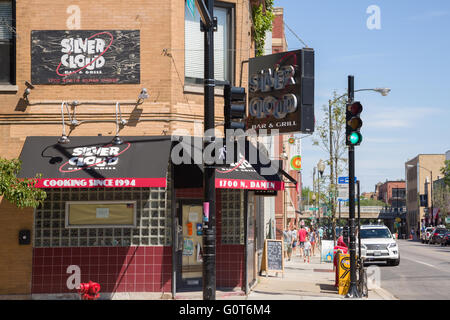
{"points": [[232, 216], [152, 218]]}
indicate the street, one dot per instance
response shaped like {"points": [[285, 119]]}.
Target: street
{"points": [[423, 272]]}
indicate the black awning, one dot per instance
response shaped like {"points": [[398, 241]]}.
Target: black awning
{"points": [[93, 162], [252, 170]]}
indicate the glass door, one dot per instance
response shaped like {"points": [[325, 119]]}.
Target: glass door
{"points": [[190, 259]]}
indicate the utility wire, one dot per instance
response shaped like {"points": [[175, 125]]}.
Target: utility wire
{"points": [[295, 35]]}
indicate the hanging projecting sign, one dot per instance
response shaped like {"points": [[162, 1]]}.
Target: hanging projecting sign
{"points": [[281, 92], [295, 151], [85, 56]]}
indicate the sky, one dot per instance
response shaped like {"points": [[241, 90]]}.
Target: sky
{"points": [[408, 51]]}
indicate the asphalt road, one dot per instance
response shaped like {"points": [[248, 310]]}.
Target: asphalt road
{"points": [[423, 273]]}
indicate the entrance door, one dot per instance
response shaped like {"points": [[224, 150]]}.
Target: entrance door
{"points": [[250, 238], [190, 265]]}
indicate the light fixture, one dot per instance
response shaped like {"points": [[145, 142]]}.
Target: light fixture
{"points": [[384, 91], [321, 167], [28, 89], [144, 94], [63, 139], [117, 140]]}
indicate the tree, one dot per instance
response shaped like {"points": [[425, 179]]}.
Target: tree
{"points": [[334, 123], [445, 170], [262, 22], [371, 202], [20, 192]]}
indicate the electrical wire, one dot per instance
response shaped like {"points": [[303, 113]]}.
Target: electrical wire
{"points": [[295, 35]]}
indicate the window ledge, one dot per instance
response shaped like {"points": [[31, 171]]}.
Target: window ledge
{"points": [[8, 88], [200, 89]]}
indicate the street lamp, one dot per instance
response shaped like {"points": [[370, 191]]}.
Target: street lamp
{"points": [[333, 160], [320, 169], [431, 194]]}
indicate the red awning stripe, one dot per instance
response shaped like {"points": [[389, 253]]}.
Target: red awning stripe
{"points": [[249, 184], [102, 183]]}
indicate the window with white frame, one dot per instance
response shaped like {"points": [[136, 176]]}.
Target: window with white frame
{"points": [[223, 46], [7, 42]]}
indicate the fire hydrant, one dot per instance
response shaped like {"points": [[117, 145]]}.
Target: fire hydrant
{"points": [[89, 291]]}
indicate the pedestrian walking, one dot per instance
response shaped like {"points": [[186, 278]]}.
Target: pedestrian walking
{"points": [[301, 240], [287, 239], [313, 239], [307, 247], [294, 241]]}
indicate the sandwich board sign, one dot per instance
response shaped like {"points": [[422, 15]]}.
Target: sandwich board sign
{"points": [[272, 259]]}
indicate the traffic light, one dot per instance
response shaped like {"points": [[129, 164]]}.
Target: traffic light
{"points": [[353, 124], [235, 107]]}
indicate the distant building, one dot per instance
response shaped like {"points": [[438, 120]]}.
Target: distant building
{"points": [[419, 172], [369, 195], [393, 193]]}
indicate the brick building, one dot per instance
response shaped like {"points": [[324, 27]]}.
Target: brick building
{"points": [[87, 63], [421, 171], [393, 193]]}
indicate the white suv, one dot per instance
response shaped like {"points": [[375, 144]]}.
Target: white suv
{"points": [[378, 244]]}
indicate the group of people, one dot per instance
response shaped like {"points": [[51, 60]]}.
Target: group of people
{"points": [[305, 239]]}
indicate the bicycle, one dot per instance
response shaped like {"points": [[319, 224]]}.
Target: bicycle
{"points": [[362, 280]]}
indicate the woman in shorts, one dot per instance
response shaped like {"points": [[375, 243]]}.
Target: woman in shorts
{"points": [[294, 240], [313, 238], [307, 249]]}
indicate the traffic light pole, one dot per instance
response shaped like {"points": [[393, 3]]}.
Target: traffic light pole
{"points": [[209, 226], [353, 289]]}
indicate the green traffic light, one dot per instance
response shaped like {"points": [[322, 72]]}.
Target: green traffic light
{"points": [[355, 138]]}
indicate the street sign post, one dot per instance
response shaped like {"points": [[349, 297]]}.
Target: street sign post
{"points": [[343, 190]]}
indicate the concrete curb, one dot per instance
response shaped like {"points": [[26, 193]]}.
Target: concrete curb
{"points": [[384, 294]]}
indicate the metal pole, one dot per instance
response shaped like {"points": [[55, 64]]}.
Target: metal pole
{"points": [[352, 291], [432, 213], [359, 223], [318, 198], [333, 213], [339, 217], [209, 234]]}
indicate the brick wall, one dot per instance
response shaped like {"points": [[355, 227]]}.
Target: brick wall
{"points": [[15, 259], [170, 106]]}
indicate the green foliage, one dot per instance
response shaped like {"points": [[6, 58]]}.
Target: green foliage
{"points": [[371, 202], [445, 170], [321, 138], [21, 192], [262, 22]]}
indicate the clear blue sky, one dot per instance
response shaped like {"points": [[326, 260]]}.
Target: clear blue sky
{"points": [[409, 54]]}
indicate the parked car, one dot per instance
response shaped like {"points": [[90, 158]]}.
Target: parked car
{"points": [[436, 234], [425, 236], [378, 244], [444, 239]]}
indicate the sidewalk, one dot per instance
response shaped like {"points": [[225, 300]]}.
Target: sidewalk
{"points": [[301, 281]]}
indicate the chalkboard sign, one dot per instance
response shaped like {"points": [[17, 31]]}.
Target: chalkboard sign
{"points": [[273, 256]]}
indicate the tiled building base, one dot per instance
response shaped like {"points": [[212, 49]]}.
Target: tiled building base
{"points": [[121, 269], [116, 269]]}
